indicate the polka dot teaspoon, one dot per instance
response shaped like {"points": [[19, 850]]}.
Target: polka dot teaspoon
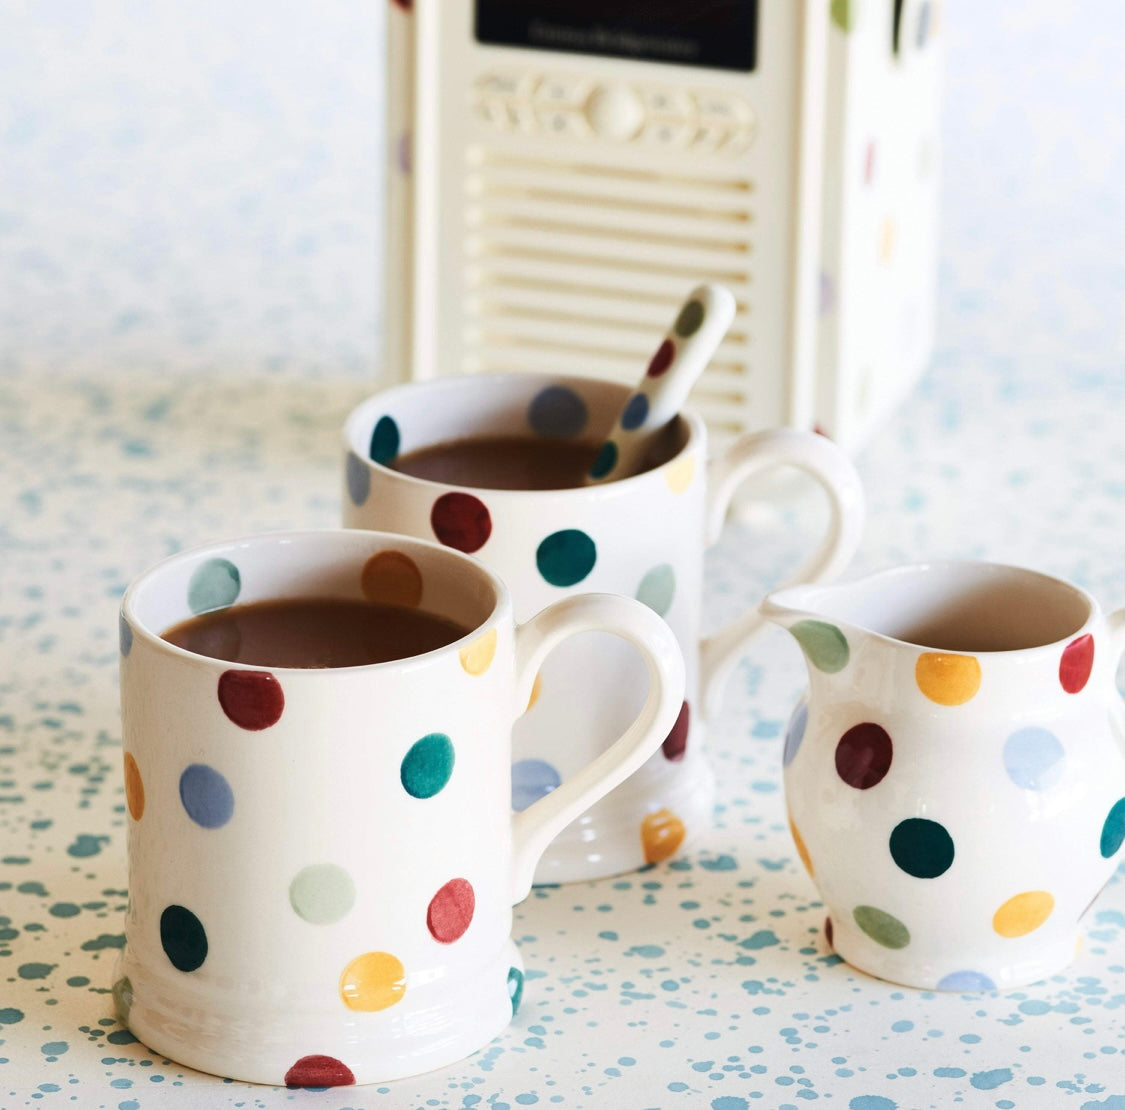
{"points": [[679, 360]]}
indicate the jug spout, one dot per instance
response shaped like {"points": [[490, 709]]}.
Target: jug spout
{"points": [[789, 606], [803, 611]]}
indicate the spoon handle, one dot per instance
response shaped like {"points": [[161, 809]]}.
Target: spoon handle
{"points": [[679, 360]]}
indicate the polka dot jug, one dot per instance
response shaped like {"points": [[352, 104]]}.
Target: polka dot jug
{"points": [[323, 862], [643, 537], [955, 778]]}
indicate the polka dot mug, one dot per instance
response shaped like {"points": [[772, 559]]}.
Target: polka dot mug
{"points": [[955, 778], [323, 862], [642, 536]]}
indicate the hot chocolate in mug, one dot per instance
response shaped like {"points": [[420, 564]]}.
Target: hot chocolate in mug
{"points": [[642, 536], [323, 860], [955, 778]]}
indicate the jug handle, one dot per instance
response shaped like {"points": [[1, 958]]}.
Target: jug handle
{"points": [[535, 827], [754, 454]]}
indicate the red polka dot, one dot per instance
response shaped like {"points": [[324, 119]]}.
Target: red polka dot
{"points": [[675, 744], [662, 359], [1076, 664], [319, 1071], [252, 699], [863, 755], [869, 163], [461, 520], [451, 911]]}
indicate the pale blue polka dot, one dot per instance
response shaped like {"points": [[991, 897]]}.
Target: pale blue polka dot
{"points": [[966, 982], [358, 479], [124, 634], [795, 733], [531, 779], [1034, 758]]}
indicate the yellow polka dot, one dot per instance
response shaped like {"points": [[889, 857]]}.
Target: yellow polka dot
{"points": [[478, 656], [392, 578], [373, 981], [679, 474], [1023, 914], [887, 240], [662, 833], [536, 689], [802, 850], [134, 788], [947, 679]]}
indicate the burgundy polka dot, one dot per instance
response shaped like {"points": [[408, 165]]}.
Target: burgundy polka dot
{"points": [[461, 520], [675, 744], [828, 930], [863, 755], [1076, 664], [252, 699], [319, 1071], [451, 911], [662, 359]]}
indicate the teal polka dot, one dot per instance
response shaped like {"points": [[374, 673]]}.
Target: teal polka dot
{"points": [[824, 645], [565, 558], [1113, 831], [515, 988], [213, 585], [384, 441], [605, 460], [689, 320], [428, 765], [658, 588]]}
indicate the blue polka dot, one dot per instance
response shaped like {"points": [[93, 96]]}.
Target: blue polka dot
{"points": [[358, 479], [795, 733], [384, 441], [531, 779], [557, 412], [966, 982], [124, 634], [565, 558], [606, 460], [206, 796], [1034, 758], [635, 413]]}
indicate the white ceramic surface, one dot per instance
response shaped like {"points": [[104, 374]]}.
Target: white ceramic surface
{"points": [[956, 779], [323, 862], [642, 537]]}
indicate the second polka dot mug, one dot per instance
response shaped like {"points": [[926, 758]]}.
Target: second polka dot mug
{"points": [[956, 777], [323, 862], [643, 536]]}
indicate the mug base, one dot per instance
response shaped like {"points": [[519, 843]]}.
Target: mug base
{"points": [[969, 974], [274, 1042], [646, 820]]}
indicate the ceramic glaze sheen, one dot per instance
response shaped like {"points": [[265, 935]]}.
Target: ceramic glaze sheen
{"points": [[955, 778]]}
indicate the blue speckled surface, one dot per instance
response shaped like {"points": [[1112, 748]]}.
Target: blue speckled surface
{"points": [[188, 244]]}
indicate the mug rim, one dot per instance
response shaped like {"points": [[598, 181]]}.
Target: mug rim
{"points": [[139, 628], [694, 426]]}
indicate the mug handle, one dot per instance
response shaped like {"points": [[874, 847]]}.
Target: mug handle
{"points": [[753, 454], [535, 827]]}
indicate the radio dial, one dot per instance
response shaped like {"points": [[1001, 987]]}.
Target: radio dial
{"points": [[615, 112]]}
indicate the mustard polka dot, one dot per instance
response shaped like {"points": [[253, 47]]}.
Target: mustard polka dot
{"points": [[373, 981], [477, 657], [947, 679], [536, 690], [802, 850], [134, 788], [1023, 914], [392, 578], [662, 833], [678, 475]]}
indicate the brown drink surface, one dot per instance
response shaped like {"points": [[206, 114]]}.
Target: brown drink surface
{"points": [[502, 462], [313, 632]]}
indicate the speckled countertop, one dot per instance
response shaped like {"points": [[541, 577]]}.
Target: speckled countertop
{"points": [[188, 246]]}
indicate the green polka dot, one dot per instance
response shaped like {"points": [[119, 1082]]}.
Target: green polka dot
{"points": [[384, 441], [689, 319], [658, 588], [565, 558], [842, 14], [123, 999], [881, 927], [428, 765], [824, 645], [213, 585], [322, 893]]}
